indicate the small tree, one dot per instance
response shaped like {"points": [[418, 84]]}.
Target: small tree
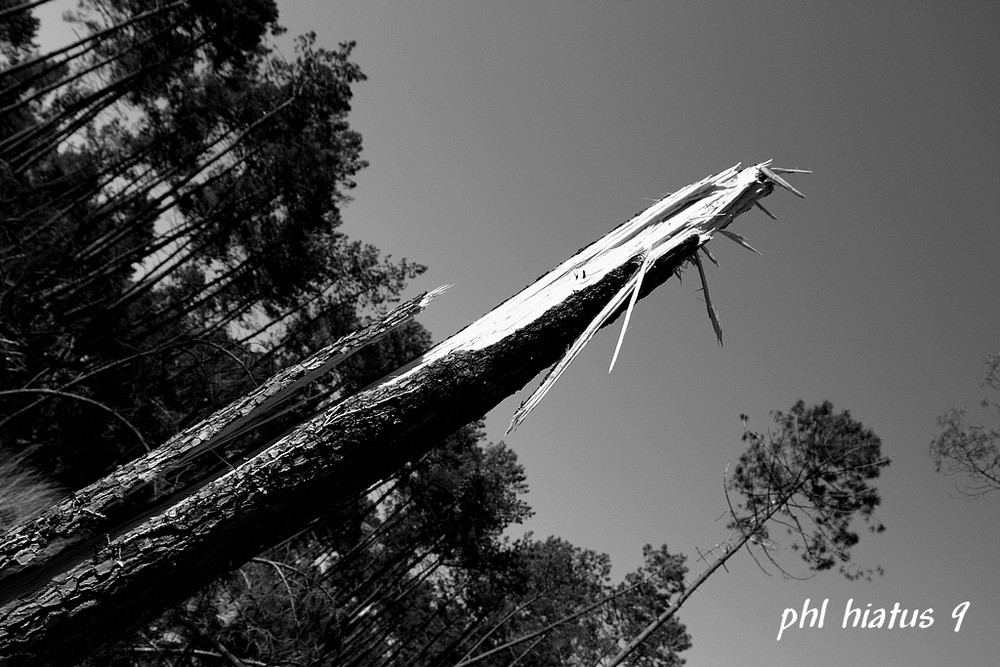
{"points": [[972, 450], [809, 476]]}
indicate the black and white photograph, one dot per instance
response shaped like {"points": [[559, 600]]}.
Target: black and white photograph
{"points": [[496, 333]]}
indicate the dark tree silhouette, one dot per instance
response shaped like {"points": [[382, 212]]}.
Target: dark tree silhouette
{"points": [[972, 451], [809, 477]]}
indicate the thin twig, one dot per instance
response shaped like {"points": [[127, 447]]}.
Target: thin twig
{"points": [[83, 399]]}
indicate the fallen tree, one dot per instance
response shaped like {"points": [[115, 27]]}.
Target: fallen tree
{"points": [[105, 560]]}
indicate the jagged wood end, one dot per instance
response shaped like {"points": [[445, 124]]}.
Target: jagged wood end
{"points": [[699, 210], [427, 297]]}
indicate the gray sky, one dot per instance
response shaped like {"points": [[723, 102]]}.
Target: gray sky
{"points": [[504, 136]]}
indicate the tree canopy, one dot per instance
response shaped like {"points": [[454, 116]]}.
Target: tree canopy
{"points": [[972, 451], [811, 475], [171, 193]]}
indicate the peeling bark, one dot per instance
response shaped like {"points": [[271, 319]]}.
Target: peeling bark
{"points": [[108, 584]]}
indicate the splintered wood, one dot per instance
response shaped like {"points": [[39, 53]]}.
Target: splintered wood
{"points": [[698, 212]]}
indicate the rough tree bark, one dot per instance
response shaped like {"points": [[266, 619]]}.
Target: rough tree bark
{"points": [[89, 571], [36, 550]]}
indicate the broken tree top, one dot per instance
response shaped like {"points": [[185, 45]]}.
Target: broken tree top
{"points": [[696, 212]]}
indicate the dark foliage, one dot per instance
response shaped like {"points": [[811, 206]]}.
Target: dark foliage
{"points": [[811, 475], [171, 207], [972, 451]]}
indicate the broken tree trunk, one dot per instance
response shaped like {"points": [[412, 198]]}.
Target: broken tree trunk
{"points": [[69, 600], [37, 550]]}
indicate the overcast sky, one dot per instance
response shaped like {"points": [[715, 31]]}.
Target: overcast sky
{"points": [[504, 136]]}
